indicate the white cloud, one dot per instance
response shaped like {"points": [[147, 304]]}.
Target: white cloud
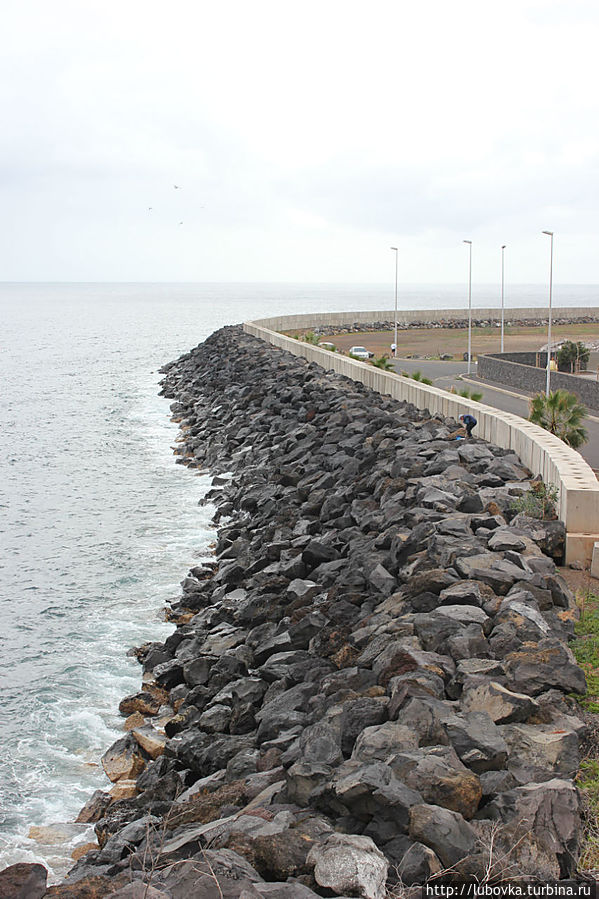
{"points": [[312, 136]]}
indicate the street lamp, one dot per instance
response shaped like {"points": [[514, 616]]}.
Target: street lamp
{"points": [[469, 242], [502, 302], [547, 384], [395, 319]]}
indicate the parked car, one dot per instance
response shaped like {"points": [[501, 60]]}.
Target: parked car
{"points": [[360, 352]]}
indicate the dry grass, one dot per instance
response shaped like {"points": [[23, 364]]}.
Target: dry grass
{"points": [[435, 341]]}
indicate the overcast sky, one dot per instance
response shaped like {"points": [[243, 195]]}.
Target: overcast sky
{"points": [[305, 139]]}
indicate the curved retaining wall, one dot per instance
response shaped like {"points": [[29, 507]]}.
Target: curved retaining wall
{"points": [[291, 322], [540, 451]]}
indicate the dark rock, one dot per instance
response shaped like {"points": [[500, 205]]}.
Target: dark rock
{"points": [[411, 862], [321, 743], [437, 773], [446, 832], [206, 753], [542, 823], [550, 536], [305, 777], [23, 881], [94, 808], [539, 753], [539, 667], [371, 637], [503, 705], [478, 741], [354, 715], [210, 874], [374, 790]]}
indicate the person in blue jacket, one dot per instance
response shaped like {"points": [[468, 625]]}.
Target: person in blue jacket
{"points": [[469, 422]]}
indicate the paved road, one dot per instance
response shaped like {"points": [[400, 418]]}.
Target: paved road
{"points": [[448, 374]]}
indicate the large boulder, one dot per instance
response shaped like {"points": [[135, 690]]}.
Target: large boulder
{"points": [[540, 667], [477, 740], [23, 881], [124, 760], [540, 752], [410, 862], [542, 824], [437, 774], [446, 832], [502, 705], [350, 864], [550, 536], [209, 874], [379, 743], [373, 791]]}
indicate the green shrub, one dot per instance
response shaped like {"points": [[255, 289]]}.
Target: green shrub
{"points": [[538, 502], [474, 395], [418, 376], [311, 337], [383, 363]]}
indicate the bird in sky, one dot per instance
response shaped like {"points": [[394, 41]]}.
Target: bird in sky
{"points": [[180, 223], [176, 186], [150, 208]]}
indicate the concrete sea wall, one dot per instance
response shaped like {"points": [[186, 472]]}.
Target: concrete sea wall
{"points": [[323, 319], [540, 451]]}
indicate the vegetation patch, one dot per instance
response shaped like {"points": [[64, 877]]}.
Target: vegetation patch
{"points": [[540, 501], [586, 649]]}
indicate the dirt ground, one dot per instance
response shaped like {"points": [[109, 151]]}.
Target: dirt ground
{"points": [[580, 582], [433, 342]]}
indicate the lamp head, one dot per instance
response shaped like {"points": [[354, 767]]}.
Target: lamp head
{"points": [[393, 248], [503, 246], [550, 233], [467, 241]]}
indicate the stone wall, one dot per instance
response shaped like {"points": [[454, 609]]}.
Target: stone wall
{"points": [[518, 370]]}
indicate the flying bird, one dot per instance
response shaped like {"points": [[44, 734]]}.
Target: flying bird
{"points": [[176, 186], [149, 208]]}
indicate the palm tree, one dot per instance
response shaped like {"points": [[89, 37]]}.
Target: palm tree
{"points": [[560, 413]]}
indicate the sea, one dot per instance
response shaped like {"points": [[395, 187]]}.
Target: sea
{"points": [[98, 525]]}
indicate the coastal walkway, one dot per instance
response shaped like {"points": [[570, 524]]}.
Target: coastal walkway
{"points": [[541, 452]]}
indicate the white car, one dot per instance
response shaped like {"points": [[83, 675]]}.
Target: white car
{"points": [[359, 352]]}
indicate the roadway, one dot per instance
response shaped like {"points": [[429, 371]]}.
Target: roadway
{"points": [[454, 374]]}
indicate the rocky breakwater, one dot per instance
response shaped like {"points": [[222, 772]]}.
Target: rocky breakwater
{"points": [[452, 323], [369, 683]]}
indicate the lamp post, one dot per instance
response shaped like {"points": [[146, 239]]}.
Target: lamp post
{"points": [[502, 296], [469, 242], [547, 384], [395, 318]]}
